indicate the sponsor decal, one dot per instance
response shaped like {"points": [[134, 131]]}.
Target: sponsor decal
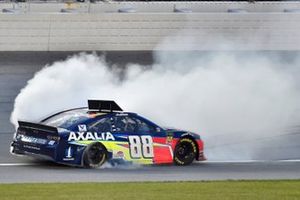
{"points": [[77, 136], [68, 159], [122, 114], [190, 141], [33, 140], [50, 137], [51, 142], [119, 154], [31, 147], [169, 138], [82, 128], [69, 154]]}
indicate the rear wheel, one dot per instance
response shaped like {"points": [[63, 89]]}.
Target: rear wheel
{"points": [[94, 155], [185, 152]]}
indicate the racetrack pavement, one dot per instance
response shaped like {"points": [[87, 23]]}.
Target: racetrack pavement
{"points": [[48, 172]]}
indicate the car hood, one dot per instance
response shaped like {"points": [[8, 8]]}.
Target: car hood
{"points": [[171, 129]]}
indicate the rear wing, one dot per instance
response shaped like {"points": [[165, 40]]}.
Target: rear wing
{"points": [[103, 106], [38, 128]]}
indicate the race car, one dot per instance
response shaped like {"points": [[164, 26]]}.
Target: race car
{"points": [[102, 132]]}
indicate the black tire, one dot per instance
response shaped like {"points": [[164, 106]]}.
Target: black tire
{"points": [[185, 152], [94, 155]]}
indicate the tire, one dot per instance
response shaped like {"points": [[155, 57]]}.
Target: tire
{"points": [[185, 152], [94, 155]]}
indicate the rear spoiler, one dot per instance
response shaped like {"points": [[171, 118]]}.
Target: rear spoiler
{"points": [[39, 127], [103, 106]]}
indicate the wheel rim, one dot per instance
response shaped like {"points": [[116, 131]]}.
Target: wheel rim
{"points": [[96, 155], [185, 151]]}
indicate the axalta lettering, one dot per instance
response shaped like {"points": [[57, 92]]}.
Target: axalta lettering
{"points": [[90, 136]]}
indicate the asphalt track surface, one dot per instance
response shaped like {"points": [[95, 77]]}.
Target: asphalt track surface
{"points": [[47, 172], [17, 68]]}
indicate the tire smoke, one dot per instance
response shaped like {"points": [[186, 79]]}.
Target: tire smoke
{"points": [[237, 102]]}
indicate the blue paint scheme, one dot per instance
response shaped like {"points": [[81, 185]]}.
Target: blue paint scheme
{"points": [[57, 151]]}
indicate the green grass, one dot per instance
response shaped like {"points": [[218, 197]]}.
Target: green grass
{"points": [[211, 190]]}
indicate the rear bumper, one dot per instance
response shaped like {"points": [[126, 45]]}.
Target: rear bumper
{"points": [[39, 152], [55, 153]]}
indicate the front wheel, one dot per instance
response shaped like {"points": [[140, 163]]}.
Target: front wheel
{"points": [[185, 152], [94, 155]]}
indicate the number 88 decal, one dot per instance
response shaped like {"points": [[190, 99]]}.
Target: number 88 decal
{"points": [[141, 146]]}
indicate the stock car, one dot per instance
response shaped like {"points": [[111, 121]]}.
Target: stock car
{"points": [[102, 132]]}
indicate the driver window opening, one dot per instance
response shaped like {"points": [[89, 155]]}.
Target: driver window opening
{"points": [[130, 124], [100, 126]]}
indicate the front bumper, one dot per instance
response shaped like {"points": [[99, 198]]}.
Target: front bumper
{"points": [[201, 156]]}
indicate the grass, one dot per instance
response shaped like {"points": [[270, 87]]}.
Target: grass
{"points": [[215, 190]]}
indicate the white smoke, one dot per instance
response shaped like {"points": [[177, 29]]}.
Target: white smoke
{"points": [[225, 97]]}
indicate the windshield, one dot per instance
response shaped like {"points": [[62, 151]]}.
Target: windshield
{"points": [[67, 119]]}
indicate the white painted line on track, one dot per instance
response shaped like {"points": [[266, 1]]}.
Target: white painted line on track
{"points": [[17, 164], [213, 162]]}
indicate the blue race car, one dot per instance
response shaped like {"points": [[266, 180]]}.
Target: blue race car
{"points": [[102, 132]]}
